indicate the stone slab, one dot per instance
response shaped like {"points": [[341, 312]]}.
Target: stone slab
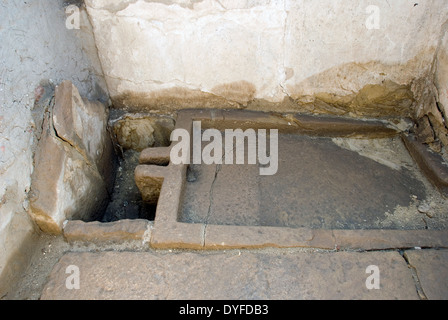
{"points": [[318, 185], [228, 237], [73, 161], [389, 239], [432, 271], [167, 235], [330, 126], [231, 275], [156, 156], [97, 232], [149, 180], [214, 198], [227, 64], [186, 220]]}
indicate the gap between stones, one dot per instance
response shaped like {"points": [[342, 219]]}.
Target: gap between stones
{"points": [[418, 286], [402, 252], [209, 211]]}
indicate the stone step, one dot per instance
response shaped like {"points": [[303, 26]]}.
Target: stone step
{"points": [[230, 275]]}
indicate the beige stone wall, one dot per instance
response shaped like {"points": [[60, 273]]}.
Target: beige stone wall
{"points": [[36, 48], [442, 73], [73, 163], [441, 83], [431, 112], [345, 57]]}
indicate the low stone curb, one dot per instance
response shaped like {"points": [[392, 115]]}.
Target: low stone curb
{"points": [[430, 163], [111, 232]]}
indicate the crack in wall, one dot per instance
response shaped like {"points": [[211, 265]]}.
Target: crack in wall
{"points": [[212, 186]]}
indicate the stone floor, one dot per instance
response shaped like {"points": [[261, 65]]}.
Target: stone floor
{"points": [[380, 187], [321, 183], [138, 273], [264, 274]]}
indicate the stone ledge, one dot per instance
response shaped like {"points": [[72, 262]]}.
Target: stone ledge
{"points": [[342, 127], [73, 161], [430, 163], [170, 233], [177, 235], [149, 179], [389, 239], [230, 237], [97, 232], [238, 237], [155, 156], [431, 267]]}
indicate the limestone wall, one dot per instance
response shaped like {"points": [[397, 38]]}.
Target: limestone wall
{"points": [[343, 57], [441, 83], [36, 48]]}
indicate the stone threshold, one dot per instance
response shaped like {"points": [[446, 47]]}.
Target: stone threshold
{"points": [[166, 183]]}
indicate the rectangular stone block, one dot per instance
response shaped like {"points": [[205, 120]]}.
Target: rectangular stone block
{"points": [[73, 164], [111, 232], [233, 275]]}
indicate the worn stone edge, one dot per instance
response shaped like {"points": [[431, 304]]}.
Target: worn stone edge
{"points": [[429, 162], [169, 233], [109, 232]]}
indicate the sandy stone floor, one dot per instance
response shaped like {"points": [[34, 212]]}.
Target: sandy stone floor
{"points": [[124, 273], [363, 184], [321, 183]]}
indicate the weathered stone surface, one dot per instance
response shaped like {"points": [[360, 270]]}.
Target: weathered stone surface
{"points": [[136, 135], [232, 275], [389, 239], [18, 240], [171, 234], [441, 78], [430, 163], [64, 186], [72, 170], [74, 121], [375, 100], [424, 131], [156, 156], [214, 198], [342, 127], [83, 124], [42, 195], [37, 52], [149, 180], [431, 267], [139, 133], [231, 42], [97, 232], [199, 207], [438, 123], [247, 119], [229, 237], [432, 99], [317, 185]]}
